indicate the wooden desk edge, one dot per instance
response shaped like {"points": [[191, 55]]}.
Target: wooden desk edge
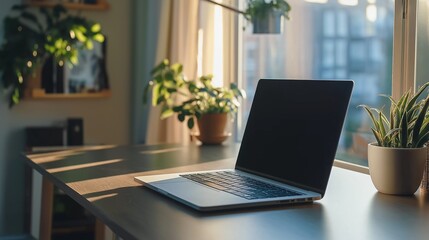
{"points": [[80, 199]]}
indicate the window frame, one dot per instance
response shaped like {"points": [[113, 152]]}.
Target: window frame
{"points": [[403, 61]]}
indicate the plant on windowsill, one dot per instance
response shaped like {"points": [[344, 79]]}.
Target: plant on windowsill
{"points": [[210, 105], [396, 161], [31, 36], [266, 15]]}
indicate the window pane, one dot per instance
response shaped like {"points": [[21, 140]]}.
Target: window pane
{"points": [[329, 41]]}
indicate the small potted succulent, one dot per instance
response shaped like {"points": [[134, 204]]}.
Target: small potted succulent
{"points": [[266, 15], [33, 35], [203, 102], [396, 161]]}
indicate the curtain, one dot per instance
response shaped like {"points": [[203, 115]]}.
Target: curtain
{"points": [[180, 45], [183, 31]]}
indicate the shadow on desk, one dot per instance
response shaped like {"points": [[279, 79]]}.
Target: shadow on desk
{"points": [[147, 208], [81, 164]]}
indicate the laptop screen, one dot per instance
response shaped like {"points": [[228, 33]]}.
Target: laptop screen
{"points": [[293, 130]]}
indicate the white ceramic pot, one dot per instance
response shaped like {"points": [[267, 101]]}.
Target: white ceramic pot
{"points": [[397, 171]]}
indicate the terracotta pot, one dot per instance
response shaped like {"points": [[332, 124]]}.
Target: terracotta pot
{"points": [[33, 81], [212, 128], [396, 171]]}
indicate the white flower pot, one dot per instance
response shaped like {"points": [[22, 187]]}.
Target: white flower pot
{"points": [[397, 171]]}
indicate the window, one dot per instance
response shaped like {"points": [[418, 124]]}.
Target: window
{"points": [[328, 41]]}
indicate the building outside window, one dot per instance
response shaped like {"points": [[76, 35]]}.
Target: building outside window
{"points": [[328, 40]]}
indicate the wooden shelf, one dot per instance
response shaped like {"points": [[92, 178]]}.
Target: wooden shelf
{"points": [[40, 94], [101, 5]]}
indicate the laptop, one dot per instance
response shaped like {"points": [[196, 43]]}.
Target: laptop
{"points": [[286, 153]]}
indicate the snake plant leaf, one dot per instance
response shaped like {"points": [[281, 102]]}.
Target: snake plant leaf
{"points": [[392, 119], [371, 115], [423, 139], [377, 137], [381, 124], [404, 131], [417, 95], [419, 121], [402, 104], [392, 132], [382, 116]]}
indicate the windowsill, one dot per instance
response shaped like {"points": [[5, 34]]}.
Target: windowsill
{"points": [[351, 166]]}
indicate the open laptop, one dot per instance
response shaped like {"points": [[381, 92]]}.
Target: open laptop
{"points": [[286, 154]]}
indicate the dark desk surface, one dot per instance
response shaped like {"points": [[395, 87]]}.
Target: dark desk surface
{"points": [[101, 179]]}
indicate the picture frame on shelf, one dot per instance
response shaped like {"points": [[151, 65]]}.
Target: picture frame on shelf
{"points": [[90, 74]]}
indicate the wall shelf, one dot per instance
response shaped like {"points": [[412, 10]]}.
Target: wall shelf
{"points": [[101, 5], [41, 94]]}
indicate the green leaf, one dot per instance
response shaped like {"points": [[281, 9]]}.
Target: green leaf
{"points": [[419, 121], [423, 139], [155, 94], [166, 113], [404, 131], [99, 37], [30, 17], [190, 122], [181, 117], [96, 28], [89, 45], [377, 137], [371, 115], [419, 92], [80, 36]]}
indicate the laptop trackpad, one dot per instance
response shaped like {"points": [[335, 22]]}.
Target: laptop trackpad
{"points": [[194, 193]]}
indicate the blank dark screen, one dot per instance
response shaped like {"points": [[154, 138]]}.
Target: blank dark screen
{"points": [[293, 130]]}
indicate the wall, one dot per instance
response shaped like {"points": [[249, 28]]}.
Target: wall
{"points": [[106, 121]]}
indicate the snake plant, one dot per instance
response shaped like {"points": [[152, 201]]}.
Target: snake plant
{"points": [[407, 125]]}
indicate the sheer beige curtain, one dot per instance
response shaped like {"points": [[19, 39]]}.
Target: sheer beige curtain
{"points": [[201, 36], [178, 42]]}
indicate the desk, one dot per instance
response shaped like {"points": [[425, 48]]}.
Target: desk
{"points": [[101, 180]]}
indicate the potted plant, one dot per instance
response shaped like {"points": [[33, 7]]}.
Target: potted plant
{"points": [[266, 15], [31, 36], [200, 99], [396, 161]]}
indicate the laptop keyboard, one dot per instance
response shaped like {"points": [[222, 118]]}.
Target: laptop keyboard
{"points": [[239, 185]]}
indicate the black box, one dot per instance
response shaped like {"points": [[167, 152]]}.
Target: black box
{"points": [[44, 136], [74, 131]]}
